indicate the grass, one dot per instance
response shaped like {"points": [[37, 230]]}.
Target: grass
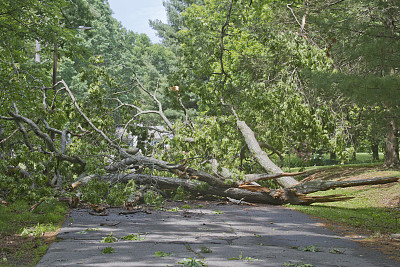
{"points": [[15, 217], [297, 164], [22, 233], [370, 209]]}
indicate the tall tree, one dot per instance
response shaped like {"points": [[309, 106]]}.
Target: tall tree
{"points": [[361, 38]]}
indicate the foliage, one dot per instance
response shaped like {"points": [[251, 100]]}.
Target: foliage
{"points": [[162, 254], [305, 90], [108, 250], [109, 239], [242, 258], [87, 230], [120, 193], [95, 191], [153, 198], [204, 249], [336, 251], [214, 138], [16, 217], [14, 187], [217, 212], [176, 209], [313, 248], [38, 230], [180, 194], [193, 262], [133, 237]]}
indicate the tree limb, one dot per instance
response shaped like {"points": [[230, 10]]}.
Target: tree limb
{"points": [[264, 176], [261, 156], [319, 185]]}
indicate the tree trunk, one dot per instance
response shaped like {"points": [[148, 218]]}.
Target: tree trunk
{"points": [[392, 145], [295, 195], [375, 151]]}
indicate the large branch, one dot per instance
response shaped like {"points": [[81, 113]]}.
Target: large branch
{"points": [[47, 139], [261, 156], [321, 185], [180, 170], [264, 176], [275, 197], [105, 137], [160, 108]]}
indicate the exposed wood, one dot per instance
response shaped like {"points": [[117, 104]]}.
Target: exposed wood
{"points": [[255, 188], [97, 208]]}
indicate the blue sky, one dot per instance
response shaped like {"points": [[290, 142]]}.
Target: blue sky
{"points": [[135, 14]]}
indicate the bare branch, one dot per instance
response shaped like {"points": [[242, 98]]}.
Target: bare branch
{"points": [[265, 176], [224, 30], [46, 138], [105, 137], [11, 135], [303, 20], [160, 108], [294, 15]]}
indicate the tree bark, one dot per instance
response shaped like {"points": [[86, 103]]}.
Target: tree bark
{"points": [[392, 145], [295, 195]]}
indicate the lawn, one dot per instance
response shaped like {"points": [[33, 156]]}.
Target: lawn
{"points": [[375, 208], [25, 235]]}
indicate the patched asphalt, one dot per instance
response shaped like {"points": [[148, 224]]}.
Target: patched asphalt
{"points": [[218, 235]]}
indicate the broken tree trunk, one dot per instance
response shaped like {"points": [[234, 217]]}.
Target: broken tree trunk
{"points": [[262, 157], [295, 195], [320, 185], [275, 197]]}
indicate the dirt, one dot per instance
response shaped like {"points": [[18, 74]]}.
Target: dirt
{"points": [[18, 249]]}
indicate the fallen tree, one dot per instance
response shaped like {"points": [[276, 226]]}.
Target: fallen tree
{"points": [[292, 191], [128, 164]]}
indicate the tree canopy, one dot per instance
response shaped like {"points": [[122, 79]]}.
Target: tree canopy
{"points": [[234, 89]]}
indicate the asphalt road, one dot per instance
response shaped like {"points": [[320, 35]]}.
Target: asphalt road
{"points": [[217, 235]]}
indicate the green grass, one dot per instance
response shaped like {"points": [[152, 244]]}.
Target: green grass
{"points": [[16, 217], [297, 164], [366, 210], [26, 229], [328, 167]]}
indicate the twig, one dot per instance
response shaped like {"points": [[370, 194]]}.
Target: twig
{"points": [[11, 135], [31, 209]]}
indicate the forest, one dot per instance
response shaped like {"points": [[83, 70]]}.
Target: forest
{"points": [[235, 96]]}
